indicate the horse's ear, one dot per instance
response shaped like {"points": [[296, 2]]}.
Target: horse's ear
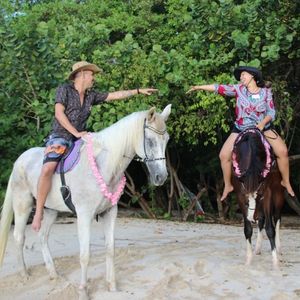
{"points": [[151, 114], [166, 112]]}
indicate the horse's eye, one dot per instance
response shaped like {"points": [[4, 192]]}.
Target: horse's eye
{"points": [[150, 143]]}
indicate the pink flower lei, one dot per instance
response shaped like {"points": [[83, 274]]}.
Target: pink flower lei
{"points": [[112, 197], [267, 146]]}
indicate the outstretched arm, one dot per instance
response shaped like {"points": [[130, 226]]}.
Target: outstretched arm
{"points": [[126, 94], [207, 87]]}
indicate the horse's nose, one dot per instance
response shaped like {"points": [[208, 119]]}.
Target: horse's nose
{"points": [[160, 179], [157, 178]]}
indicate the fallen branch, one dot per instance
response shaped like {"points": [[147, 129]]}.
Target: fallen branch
{"points": [[193, 203]]}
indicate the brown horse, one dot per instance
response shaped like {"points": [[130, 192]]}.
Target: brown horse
{"points": [[257, 183]]}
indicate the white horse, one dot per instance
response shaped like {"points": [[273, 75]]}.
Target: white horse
{"points": [[141, 133]]}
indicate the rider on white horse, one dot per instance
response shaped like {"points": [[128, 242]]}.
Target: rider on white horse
{"points": [[72, 108]]}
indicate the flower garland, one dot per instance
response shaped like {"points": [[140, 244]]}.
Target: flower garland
{"points": [[113, 197], [268, 165]]}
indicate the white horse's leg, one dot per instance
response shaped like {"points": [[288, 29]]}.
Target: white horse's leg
{"points": [[109, 221], [22, 208], [48, 220], [84, 221]]}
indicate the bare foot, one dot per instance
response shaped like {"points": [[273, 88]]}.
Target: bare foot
{"points": [[36, 222], [288, 188], [227, 190]]}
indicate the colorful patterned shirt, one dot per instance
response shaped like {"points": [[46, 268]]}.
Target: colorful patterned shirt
{"points": [[250, 108], [77, 114]]}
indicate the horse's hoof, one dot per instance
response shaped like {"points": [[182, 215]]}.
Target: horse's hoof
{"points": [[25, 275], [83, 294], [53, 276], [112, 287]]}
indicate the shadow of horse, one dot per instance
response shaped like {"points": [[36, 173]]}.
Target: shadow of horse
{"points": [[260, 195]]}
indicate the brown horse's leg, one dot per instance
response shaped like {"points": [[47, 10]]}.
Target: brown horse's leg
{"points": [[277, 205], [270, 230], [278, 202], [248, 234], [269, 226], [261, 223]]}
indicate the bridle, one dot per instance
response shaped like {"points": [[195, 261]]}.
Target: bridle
{"points": [[146, 158]]}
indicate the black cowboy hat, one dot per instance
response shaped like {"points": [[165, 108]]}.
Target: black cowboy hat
{"points": [[251, 70]]}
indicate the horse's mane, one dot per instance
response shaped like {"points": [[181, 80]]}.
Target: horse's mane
{"points": [[251, 159], [120, 136]]}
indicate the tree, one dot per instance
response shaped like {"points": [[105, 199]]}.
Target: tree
{"points": [[166, 44]]}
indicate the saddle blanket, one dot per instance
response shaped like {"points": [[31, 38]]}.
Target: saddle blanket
{"points": [[70, 159]]}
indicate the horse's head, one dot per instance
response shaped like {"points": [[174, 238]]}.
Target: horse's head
{"points": [[251, 158], [152, 146]]}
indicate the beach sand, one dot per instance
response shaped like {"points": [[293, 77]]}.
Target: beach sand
{"points": [[156, 259]]}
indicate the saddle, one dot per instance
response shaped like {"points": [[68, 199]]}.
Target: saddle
{"points": [[70, 158], [66, 164]]}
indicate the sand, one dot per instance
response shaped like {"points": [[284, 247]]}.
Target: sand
{"points": [[156, 259]]}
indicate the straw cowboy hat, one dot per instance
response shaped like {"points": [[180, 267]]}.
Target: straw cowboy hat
{"points": [[83, 65], [251, 70]]}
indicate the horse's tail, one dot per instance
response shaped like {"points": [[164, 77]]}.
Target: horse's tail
{"points": [[6, 219]]}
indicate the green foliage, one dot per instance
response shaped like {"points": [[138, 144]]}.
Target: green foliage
{"points": [[169, 45], [183, 201], [200, 218], [167, 216]]}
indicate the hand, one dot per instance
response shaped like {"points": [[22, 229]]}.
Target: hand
{"points": [[147, 91], [260, 126], [193, 88], [81, 134]]}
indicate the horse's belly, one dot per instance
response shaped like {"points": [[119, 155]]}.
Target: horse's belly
{"points": [[85, 195]]}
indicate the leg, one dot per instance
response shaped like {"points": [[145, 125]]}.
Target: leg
{"points": [[248, 234], [44, 186], [278, 202], [225, 157], [109, 231], [22, 209], [277, 236], [270, 230], [84, 220], [48, 220], [281, 152], [261, 223]]}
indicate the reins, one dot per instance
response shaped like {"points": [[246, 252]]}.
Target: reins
{"points": [[272, 138]]}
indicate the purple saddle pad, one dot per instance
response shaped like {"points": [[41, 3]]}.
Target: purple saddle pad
{"points": [[70, 159]]}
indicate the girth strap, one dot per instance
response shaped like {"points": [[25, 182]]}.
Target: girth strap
{"points": [[65, 190]]}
